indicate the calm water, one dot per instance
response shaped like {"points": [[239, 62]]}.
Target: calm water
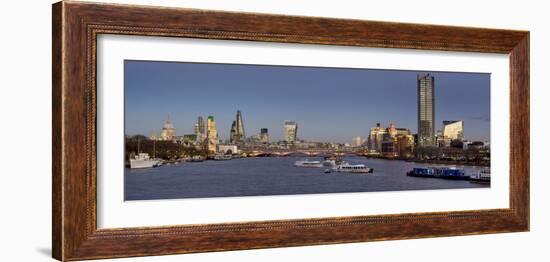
{"points": [[274, 176]]}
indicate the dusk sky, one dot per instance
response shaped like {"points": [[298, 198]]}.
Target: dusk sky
{"points": [[329, 104]]}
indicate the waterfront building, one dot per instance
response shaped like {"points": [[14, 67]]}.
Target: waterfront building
{"points": [[376, 136], [212, 135], [384, 140], [228, 149], [392, 131], [388, 147], [291, 131], [476, 145], [402, 131], [443, 141], [426, 110], [404, 145], [237, 130], [168, 131], [453, 129], [153, 135]]}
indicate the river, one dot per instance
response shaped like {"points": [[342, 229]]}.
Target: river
{"points": [[275, 176]]}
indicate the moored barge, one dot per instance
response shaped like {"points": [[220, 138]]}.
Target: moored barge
{"points": [[439, 172]]}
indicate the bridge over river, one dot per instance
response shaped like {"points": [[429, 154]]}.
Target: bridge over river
{"points": [[301, 152]]}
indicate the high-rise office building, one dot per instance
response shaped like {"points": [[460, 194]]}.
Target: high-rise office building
{"points": [[200, 130], [201, 125], [264, 136], [291, 131], [212, 135], [237, 130], [196, 128], [426, 110]]}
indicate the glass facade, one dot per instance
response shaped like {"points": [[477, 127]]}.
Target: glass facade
{"points": [[426, 110]]}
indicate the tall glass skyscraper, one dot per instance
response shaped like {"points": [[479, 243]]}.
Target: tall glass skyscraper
{"points": [[200, 130], [426, 110], [212, 135], [291, 131], [237, 130]]}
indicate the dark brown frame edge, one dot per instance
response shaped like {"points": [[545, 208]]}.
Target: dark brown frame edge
{"points": [[75, 28]]}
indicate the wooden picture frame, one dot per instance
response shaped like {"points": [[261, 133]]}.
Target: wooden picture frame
{"points": [[76, 26]]}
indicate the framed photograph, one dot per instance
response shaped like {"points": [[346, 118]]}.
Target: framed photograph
{"points": [[182, 130]]}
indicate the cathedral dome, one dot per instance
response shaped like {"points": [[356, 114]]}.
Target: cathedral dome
{"points": [[168, 125]]}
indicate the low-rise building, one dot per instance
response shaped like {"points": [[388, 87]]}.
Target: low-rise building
{"points": [[228, 149]]}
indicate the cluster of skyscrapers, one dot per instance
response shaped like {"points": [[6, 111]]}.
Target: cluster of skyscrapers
{"points": [[206, 134]]}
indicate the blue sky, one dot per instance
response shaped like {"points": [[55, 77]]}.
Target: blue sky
{"points": [[329, 104]]}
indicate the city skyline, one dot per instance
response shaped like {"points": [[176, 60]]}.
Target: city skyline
{"points": [[319, 100]]}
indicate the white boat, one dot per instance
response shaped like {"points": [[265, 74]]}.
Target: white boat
{"points": [[142, 160], [331, 163], [347, 168], [482, 177], [308, 163], [222, 157]]}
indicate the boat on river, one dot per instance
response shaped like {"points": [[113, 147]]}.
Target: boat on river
{"points": [[439, 172], [483, 177], [348, 168], [222, 157], [142, 160], [308, 163]]}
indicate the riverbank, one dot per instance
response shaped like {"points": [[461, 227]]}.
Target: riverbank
{"points": [[447, 162], [437, 162]]}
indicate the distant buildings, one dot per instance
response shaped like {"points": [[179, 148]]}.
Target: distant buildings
{"points": [[389, 142], [212, 135], [291, 131], [264, 136], [476, 145], [168, 131], [426, 110], [189, 138], [153, 135], [237, 130], [358, 141], [200, 130]]}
